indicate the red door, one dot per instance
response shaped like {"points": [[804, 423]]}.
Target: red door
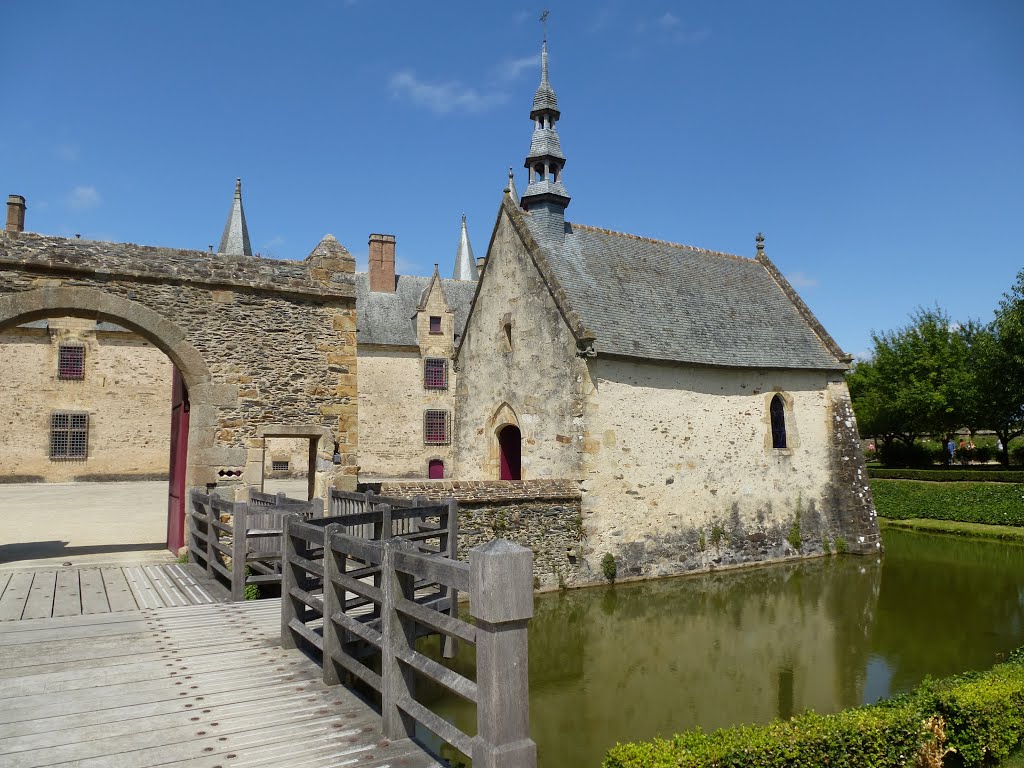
{"points": [[179, 452], [509, 440], [435, 469]]}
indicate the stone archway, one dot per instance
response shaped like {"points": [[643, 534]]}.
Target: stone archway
{"points": [[194, 373], [505, 422]]}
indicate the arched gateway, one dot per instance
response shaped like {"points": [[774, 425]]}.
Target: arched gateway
{"points": [[256, 344]]}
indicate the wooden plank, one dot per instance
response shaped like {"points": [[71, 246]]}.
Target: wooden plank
{"points": [[40, 597], [142, 590], [12, 604], [67, 599], [168, 591], [119, 594], [196, 594], [4, 579], [94, 592]]}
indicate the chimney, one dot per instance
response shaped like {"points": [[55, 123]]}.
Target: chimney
{"points": [[480, 261], [382, 263], [15, 213]]}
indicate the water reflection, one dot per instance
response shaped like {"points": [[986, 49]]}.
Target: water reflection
{"points": [[633, 661]]}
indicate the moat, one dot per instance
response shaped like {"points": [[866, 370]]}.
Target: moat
{"points": [[637, 660]]}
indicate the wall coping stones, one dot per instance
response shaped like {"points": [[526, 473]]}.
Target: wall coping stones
{"points": [[44, 253], [484, 491]]}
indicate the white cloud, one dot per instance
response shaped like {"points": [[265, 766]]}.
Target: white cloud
{"points": [[84, 197], [442, 98], [802, 280], [511, 69], [669, 20]]}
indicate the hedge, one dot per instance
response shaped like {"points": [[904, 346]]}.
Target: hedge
{"points": [[989, 503], [950, 475], [960, 721], [956, 528]]}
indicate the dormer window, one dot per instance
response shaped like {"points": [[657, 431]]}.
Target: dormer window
{"points": [[435, 324]]}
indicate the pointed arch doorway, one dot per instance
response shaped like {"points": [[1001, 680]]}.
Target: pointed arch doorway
{"points": [[510, 452]]}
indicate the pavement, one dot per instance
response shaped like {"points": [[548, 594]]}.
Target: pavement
{"points": [[56, 524], [48, 525]]}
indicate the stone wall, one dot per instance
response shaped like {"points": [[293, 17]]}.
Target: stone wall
{"points": [[543, 515], [126, 390], [681, 474], [518, 365], [258, 341]]}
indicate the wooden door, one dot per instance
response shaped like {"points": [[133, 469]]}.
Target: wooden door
{"points": [[509, 446], [435, 469], [179, 456]]}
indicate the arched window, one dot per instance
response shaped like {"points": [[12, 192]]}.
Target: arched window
{"points": [[778, 414]]}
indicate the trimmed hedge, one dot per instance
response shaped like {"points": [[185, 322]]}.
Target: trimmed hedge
{"points": [[960, 721], [950, 475], [955, 528], [967, 502]]}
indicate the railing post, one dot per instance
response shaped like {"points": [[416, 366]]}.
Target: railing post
{"points": [[398, 681], [212, 535], [449, 544], [239, 526], [291, 576], [334, 600], [501, 601]]}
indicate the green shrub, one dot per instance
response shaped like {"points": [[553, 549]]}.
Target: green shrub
{"points": [[950, 475], [900, 454], [975, 718], [1017, 455], [841, 546], [967, 502], [608, 566]]}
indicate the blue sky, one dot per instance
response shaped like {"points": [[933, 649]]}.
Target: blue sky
{"points": [[878, 145]]}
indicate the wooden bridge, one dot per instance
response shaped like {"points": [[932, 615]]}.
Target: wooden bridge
{"points": [[255, 683]]}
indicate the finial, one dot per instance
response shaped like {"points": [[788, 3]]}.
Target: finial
{"points": [[760, 242], [238, 187], [463, 218], [544, 21]]}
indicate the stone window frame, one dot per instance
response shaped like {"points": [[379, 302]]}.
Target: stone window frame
{"points": [[280, 466], [435, 325], [69, 436], [70, 362], [437, 426], [430, 377], [789, 417]]}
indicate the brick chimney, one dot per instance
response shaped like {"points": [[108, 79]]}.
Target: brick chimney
{"points": [[15, 213], [382, 263]]}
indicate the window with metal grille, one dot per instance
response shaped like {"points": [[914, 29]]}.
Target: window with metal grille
{"points": [[435, 373], [436, 427], [279, 466], [70, 361], [69, 435], [435, 324]]}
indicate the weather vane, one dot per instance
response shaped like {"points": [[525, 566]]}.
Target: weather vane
{"points": [[544, 21]]}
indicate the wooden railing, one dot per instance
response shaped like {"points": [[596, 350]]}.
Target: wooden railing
{"points": [[251, 536], [347, 504], [352, 601]]}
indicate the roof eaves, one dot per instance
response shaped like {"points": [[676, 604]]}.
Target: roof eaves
{"points": [[819, 330]]}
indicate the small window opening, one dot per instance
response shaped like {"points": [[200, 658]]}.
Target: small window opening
{"points": [[508, 335], [70, 361], [435, 373], [435, 469], [436, 427], [435, 324], [279, 466], [539, 170], [69, 435], [778, 415]]}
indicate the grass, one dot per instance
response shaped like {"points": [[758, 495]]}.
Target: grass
{"points": [[1016, 760], [977, 530]]}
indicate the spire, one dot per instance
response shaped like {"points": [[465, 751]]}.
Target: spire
{"points": [[235, 240], [465, 263], [545, 192], [511, 188]]}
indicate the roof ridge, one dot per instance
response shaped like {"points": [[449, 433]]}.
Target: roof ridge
{"points": [[656, 241]]}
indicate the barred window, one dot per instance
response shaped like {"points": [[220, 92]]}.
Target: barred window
{"points": [[435, 323], [70, 361], [435, 373], [437, 427], [69, 435], [279, 466]]}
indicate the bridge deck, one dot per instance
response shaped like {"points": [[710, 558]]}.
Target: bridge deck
{"points": [[202, 685]]}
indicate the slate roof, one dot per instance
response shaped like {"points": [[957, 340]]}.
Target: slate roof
{"points": [[662, 301], [390, 318], [235, 240]]}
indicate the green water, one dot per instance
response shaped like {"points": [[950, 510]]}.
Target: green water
{"points": [[638, 660]]}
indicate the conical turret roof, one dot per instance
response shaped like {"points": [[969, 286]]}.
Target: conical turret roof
{"points": [[235, 240], [465, 262], [544, 99]]}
